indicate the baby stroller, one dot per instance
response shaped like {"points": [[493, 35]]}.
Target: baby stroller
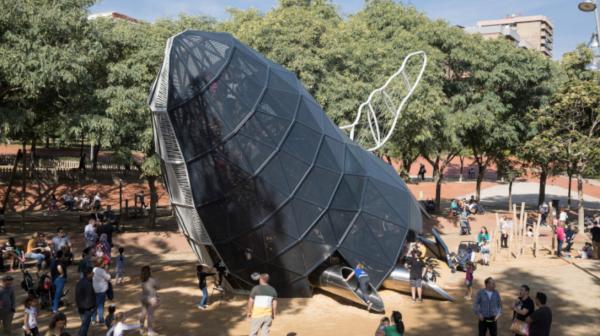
{"points": [[466, 250], [41, 289]]}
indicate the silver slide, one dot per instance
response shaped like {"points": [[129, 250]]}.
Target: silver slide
{"points": [[332, 280], [398, 280]]}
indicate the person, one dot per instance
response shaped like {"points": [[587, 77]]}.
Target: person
{"points": [[471, 172], [262, 306], [563, 216], [120, 268], [52, 205], [2, 221], [109, 320], [97, 202], [416, 267], [422, 172], [221, 272], [61, 242], [85, 299], [465, 227], [106, 228], [59, 279], [57, 326], [430, 275], [68, 201], [488, 308], [149, 299], [363, 283], [85, 262], [483, 236], [560, 238], [485, 253], [469, 276], [201, 274], [103, 249], [543, 213], [454, 208], [540, 321], [33, 252], [89, 233], [505, 227], [7, 304], [384, 322], [111, 218], [30, 324], [13, 253], [120, 327], [523, 307], [84, 202], [569, 237], [398, 328], [595, 232], [586, 251], [100, 281]]}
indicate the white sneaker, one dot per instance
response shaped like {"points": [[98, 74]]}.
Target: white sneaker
{"points": [[201, 307]]}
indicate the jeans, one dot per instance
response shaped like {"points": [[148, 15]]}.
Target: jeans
{"points": [[100, 298], [559, 244], [363, 283], [260, 326], [204, 297], [488, 324], [39, 257], [59, 285], [86, 318]]}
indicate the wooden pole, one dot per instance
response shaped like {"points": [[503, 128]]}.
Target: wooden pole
{"points": [[511, 239], [536, 234], [521, 228]]}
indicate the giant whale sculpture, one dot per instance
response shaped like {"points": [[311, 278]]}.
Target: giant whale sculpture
{"points": [[262, 179]]}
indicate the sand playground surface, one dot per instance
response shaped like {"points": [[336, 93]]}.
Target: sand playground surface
{"points": [[572, 286]]}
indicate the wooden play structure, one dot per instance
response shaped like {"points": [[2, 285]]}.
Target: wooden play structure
{"points": [[522, 238]]}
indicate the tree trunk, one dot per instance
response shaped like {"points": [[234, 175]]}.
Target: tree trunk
{"points": [[5, 202], [24, 186], [153, 201], [405, 171], [580, 210], [510, 202], [81, 154], [47, 142], [570, 173], [462, 165], [388, 159], [438, 178], [95, 160], [480, 174], [542, 193]]}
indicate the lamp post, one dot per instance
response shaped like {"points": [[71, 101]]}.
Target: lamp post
{"points": [[591, 6]]}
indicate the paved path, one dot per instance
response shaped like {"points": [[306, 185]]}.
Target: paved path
{"points": [[528, 192]]}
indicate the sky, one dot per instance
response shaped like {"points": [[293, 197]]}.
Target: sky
{"points": [[571, 26]]}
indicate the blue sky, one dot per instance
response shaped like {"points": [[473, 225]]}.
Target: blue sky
{"points": [[570, 25]]}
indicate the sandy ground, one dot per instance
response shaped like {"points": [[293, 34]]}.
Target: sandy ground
{"points": [[573, 288]]}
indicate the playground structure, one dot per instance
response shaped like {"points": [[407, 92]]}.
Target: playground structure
{"points": [[259, 177]]}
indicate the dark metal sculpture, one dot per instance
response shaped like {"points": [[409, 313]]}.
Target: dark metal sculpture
{"points": [[260, 178]]}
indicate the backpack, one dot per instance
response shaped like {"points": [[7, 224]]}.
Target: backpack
{"points": [[27, 283]]}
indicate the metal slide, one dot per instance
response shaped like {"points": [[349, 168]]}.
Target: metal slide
{"points": [[332, 280], [398, 280], [438, 249]]}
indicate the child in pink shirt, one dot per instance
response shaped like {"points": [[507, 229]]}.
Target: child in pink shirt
{"points": [[560, 238]]}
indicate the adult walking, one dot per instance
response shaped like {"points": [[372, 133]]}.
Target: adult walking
{"points": [[149, 299], [417, 270], [363, 283], [58, 272], [595, 232], [262, 307], [100, 280], [522, 308], [541, 319], [7, 304], [488, 308], [422, 172], [85, 299]]}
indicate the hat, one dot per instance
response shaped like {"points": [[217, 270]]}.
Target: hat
{"points": [[7, 278]]}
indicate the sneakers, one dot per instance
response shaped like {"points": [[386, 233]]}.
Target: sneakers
{"points": [[414, 301], [201, 307], [421, 300]]}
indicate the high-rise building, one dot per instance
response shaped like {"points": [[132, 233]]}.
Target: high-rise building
{"points": [[531, 32]]}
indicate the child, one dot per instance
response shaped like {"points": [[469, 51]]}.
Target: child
{"points": [[202, 285], [30, 317], [469, 280], [120, 268], [384, 322], [485, 253], [119, 326], [430, 274], [111, 316]]}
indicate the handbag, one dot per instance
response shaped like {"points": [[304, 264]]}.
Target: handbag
{"points": [[519, 327]]}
